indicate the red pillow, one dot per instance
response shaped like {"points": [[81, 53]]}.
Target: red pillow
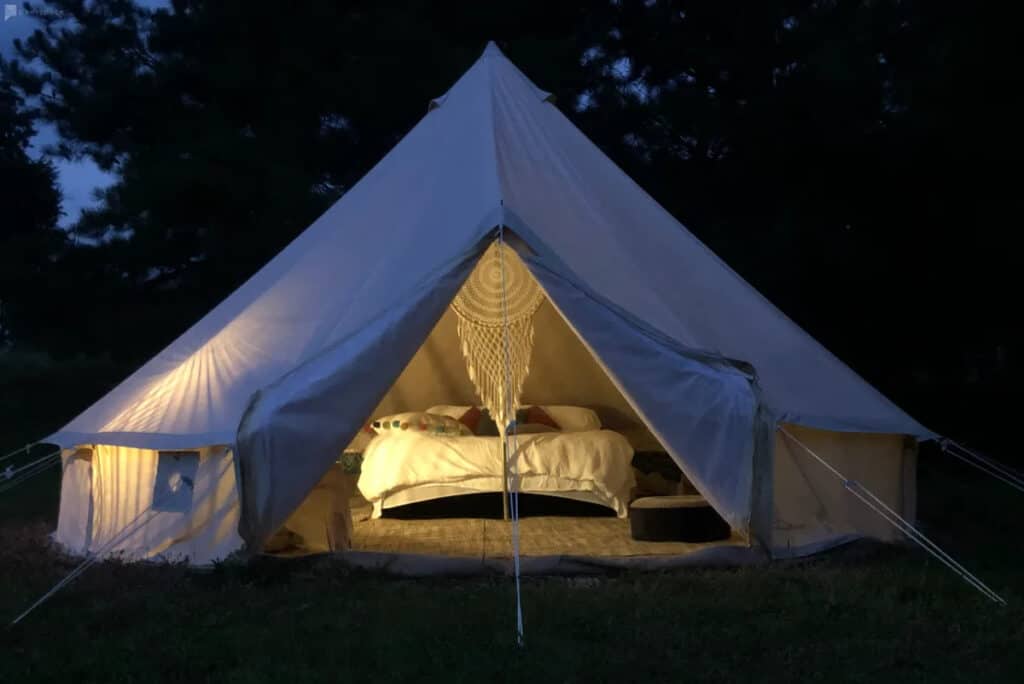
{"points": [[537, 415], [471, 418]]}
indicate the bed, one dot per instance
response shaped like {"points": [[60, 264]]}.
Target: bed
{"points": [[403, 467]]}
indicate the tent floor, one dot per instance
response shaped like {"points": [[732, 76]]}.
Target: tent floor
{"points": [[593, 537]]}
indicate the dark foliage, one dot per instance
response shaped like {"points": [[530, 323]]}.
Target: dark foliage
{"points": [[853, 159], [29, 208]]}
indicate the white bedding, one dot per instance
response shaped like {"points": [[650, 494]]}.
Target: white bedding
{"points": [[596, 462]]}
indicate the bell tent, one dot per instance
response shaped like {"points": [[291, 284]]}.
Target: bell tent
{"points": [[221, 438]]}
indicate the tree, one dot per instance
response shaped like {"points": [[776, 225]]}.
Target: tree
{"points": [[843, 155], [29, 209], [231, 126], [849, 158]]}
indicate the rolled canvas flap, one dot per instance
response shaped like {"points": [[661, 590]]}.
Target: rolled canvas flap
{"points": [[319, 406]]}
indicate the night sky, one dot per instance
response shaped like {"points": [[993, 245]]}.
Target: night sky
{"points": [[78, 179]]}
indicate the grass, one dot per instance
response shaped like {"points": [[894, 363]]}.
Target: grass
{"points": [[881, 616], [867, 613]]}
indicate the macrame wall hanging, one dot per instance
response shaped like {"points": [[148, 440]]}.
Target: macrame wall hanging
{"points": [[500, 291]]}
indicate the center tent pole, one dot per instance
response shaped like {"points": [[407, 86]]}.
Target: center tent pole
{"points": [[504, 476]]}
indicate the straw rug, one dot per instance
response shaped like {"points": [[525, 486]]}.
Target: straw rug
{"points": [[540, 536]]}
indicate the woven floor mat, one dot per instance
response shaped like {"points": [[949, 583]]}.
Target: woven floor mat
{"points": [[541, 536]]}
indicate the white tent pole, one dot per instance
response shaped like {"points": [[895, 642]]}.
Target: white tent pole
{"points": [[504, 472], [515, 451], [896, 520]]}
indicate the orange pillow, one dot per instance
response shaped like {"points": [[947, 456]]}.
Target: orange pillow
{"points": [[475, 420], [471, 418], [538, 416]]}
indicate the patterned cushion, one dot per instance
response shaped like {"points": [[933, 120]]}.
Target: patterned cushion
{"points": [[480, 422], [422, 422], [351, 463], [535, 415]]}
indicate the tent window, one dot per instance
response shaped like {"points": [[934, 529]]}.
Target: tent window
{"points": [[175, 478]]}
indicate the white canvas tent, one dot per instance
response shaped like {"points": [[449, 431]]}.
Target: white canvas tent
{"points": [[351, 317]]}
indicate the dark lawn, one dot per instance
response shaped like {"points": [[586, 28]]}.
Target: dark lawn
{"points": [[866, 613]]}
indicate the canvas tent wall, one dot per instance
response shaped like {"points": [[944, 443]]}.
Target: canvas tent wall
{"points": [[289, 366], [810, 509], [107, 489]]}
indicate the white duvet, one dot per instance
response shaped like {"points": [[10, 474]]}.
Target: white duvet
{"points": [[596, 463]]}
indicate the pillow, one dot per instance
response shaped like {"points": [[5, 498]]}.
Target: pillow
{"points": [[538, 416], [574, 418], [450, 411], [481, 424], [471, 418], [421, 422], [486, 426], [477, 419], [533, 428]]}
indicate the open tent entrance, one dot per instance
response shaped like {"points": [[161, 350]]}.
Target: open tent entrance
{"points": [[408, 484]]}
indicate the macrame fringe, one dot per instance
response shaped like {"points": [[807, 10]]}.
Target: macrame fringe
{"points": [[483, 348], [495, 310]]}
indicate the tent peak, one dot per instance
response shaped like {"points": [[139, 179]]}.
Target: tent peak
{"points": [[484, 72]]}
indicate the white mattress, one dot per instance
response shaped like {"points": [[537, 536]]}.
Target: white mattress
{"points": [[415, 466]]}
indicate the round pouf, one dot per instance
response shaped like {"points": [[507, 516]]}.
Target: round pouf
{"points": [[687, 518]]}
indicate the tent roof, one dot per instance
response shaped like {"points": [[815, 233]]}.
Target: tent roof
{"points": [[492, 149]]}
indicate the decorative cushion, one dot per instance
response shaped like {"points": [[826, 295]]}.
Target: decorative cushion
{"points": [[351, 463], [485, 425], [471, 418], [654, 484], [566, 418], [670, 502], [423, 422], [480, 422], [535, 415]]}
